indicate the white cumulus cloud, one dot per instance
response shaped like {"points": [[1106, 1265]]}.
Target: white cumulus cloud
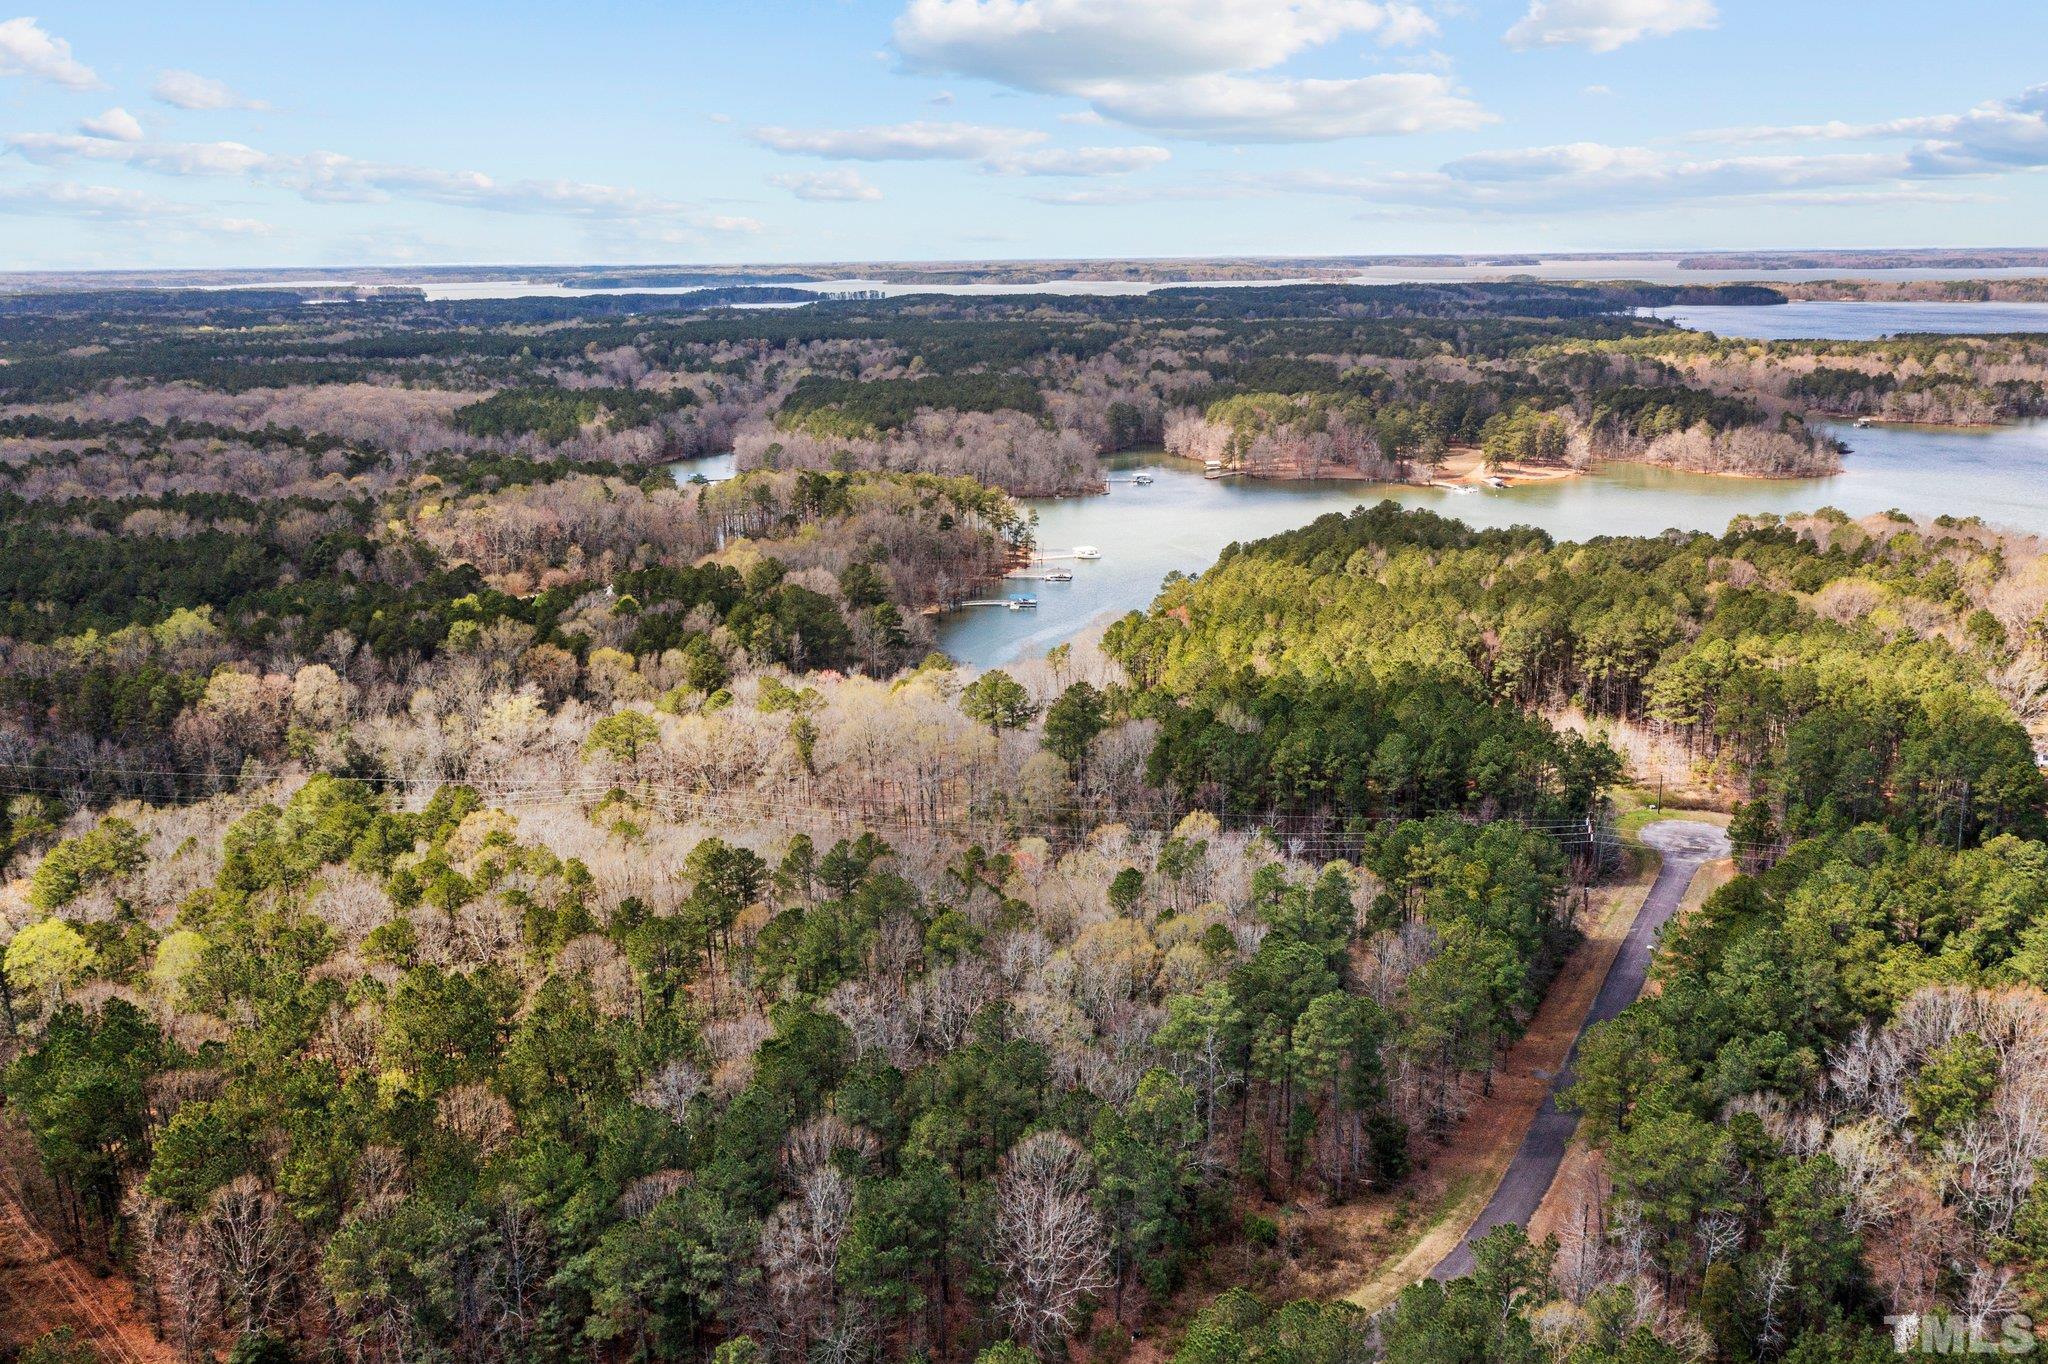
{"points": [[330, 177], [1997, 135], [921, 141], [828, 187], [106, 204], [190, 90], [164, 158], [1584, 177], [1584, 159], [27, 49], [1190, 68], [1082, 161], [1937, 158], [67, 198], [1054, 46], [1214, 190], [1004, 151], [1940, 159], [116, 123], [1604, 25], [1236, 109]]}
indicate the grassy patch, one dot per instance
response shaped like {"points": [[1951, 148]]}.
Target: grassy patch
{"points": [[1634, 814]]}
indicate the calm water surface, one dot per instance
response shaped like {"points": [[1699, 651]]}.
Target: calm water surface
{"points": [[1856, 321], [1181, 521], [1654, 271], [712, 468], [501, 288], [1666, 272]]}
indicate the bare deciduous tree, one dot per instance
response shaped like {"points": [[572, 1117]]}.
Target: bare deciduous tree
{"points": [[800, 1253], [252, 1247], [1048, 1241]]}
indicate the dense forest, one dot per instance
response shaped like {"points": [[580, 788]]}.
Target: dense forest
{"points": [[1827, 1112], [465, 895], [1022, 394], [1835, 673], [1944, 380]]}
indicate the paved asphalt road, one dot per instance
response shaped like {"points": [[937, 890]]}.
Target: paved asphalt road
{"points": [[1686, 846]]}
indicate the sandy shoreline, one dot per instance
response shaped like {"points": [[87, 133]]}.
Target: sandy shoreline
{"points": [[1464, 466]]}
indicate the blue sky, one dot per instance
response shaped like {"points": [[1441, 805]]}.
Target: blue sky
{"points": [[200, 134]]}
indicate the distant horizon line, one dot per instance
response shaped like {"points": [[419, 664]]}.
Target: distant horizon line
{"points": [[1504, 258]]}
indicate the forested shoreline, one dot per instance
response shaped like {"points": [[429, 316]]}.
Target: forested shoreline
{"points": [[1025, 394], [464, 895]]}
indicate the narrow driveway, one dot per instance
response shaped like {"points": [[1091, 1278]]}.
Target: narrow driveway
{"points": [[1686, 846]]}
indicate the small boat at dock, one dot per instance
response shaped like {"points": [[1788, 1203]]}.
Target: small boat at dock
{"points": [[1022, 603], [1142, 478], [1087, 552]]}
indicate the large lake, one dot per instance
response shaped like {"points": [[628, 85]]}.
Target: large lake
{"points": [[884, 288], [1856, 321], [1613, 268], [1181, 520]]}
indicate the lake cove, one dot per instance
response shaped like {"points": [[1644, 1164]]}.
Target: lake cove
{"points": [[1181, 521]]}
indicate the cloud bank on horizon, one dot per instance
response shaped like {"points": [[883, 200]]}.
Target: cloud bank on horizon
{"points": [[904, 128]]}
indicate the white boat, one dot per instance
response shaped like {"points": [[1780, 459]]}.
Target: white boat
{"points": [[1060, 575], [1862, 422], [1142, 478], [1087, 552]]}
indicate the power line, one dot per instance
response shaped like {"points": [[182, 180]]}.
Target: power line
{"points": [[1308, 830]]}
